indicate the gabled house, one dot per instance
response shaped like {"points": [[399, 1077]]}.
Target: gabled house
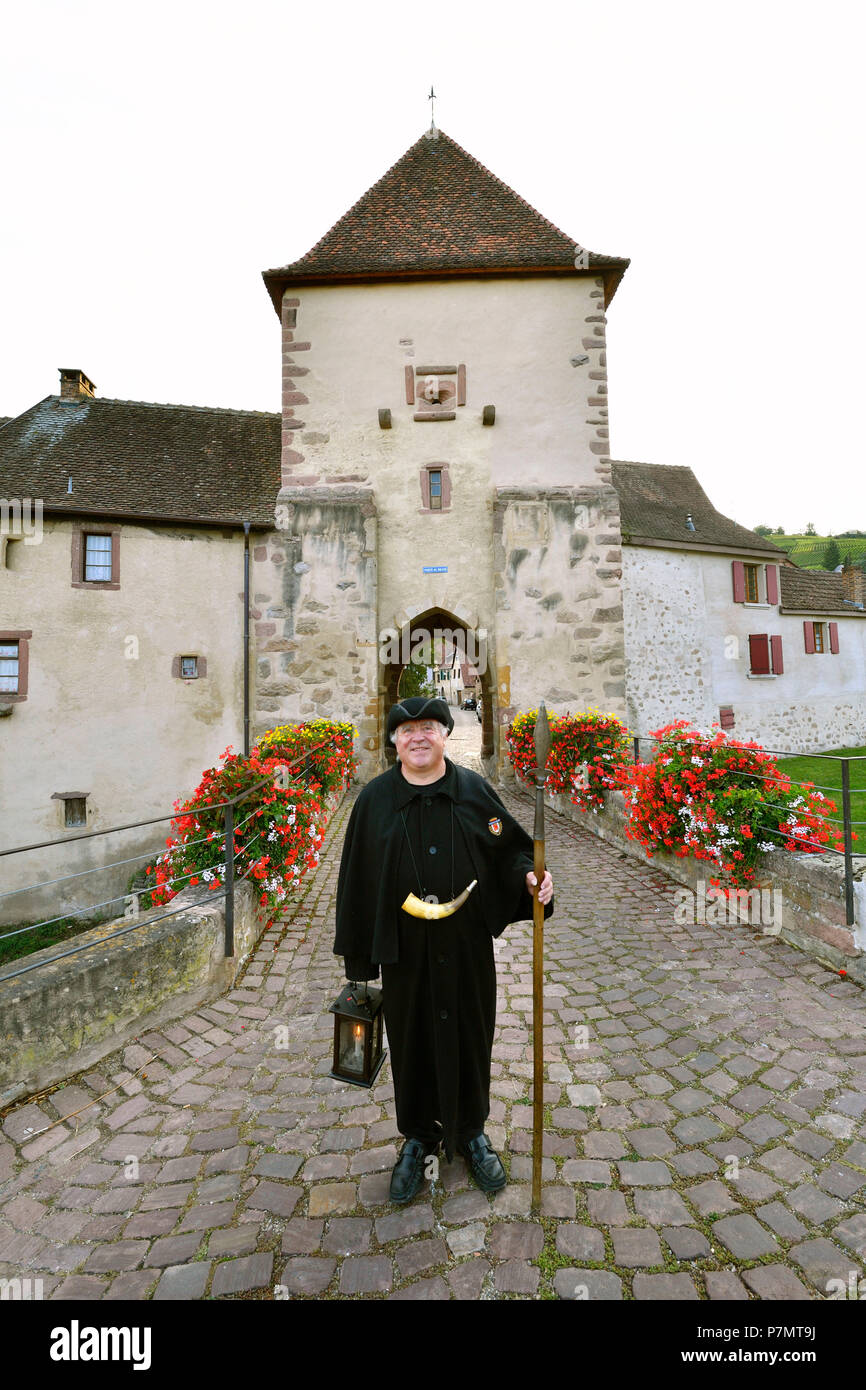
{"points": [[721, 628]]}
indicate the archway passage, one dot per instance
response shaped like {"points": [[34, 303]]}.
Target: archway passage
{"points": [[445, 632]]}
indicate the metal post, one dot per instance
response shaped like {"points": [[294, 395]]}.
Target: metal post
{"points": [[246, 639], [636, 742], [846, 830], [230, 879]]}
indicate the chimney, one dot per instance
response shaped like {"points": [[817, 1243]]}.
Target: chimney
{"points": [[74, 385], [854, 584]]}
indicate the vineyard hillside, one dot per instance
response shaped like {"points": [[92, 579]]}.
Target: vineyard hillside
{"points": [[808, 551]]}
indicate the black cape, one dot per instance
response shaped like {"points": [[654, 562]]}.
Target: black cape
{"points": [[439, 977]]}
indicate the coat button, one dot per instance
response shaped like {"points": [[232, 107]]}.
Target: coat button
{"points": [[428, 801], [440, 960], [432, 849], [443, 1013]]}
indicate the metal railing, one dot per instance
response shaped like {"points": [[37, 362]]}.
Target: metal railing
{"points": [[846, 822], [229, 831]]}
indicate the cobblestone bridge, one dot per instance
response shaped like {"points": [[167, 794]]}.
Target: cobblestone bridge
{"points": [[708, 1143]]}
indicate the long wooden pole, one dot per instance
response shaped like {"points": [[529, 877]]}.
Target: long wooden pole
{"points": [[542, 748]]}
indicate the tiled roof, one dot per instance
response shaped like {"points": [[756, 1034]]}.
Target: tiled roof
{"points": [[438, 211], [136, 458], [815, 591], [656, 500]]}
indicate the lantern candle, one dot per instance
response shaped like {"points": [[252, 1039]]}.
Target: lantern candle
{"points": [[358, 1052]]}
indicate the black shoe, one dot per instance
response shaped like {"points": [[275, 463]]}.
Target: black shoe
{"points": [[483, 1163], [408, 1173]]}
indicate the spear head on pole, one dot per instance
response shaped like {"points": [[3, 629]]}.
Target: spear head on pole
{"points": [[542, 749]]}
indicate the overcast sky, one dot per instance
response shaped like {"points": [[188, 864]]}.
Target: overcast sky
{"points": [[156, 158]]}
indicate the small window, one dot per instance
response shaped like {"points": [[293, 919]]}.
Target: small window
{"points": [[76, 811], [74, 808], [97, 559], [820, 644], [9, 668], [435, 489], [751, 577], [189, 667]]}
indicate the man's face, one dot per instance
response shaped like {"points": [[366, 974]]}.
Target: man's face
{"points": [[421, 744]]}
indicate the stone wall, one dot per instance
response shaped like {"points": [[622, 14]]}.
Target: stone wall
{"points": [[64, 1017], [314, 591], [559, 615]]}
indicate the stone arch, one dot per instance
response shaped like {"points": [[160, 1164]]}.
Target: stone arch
{"points": [[407, 628]]}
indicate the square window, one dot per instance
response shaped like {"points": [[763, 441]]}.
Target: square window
{"points": [[189, 667], [9, 667], [76, 811]]}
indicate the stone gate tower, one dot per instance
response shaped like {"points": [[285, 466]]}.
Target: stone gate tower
{"points": [[441, 299]]}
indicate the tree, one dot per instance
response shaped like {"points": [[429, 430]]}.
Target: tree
{"points": [[414, 681], [831, 557], [763, 530], [780, 531], [810, 528]]}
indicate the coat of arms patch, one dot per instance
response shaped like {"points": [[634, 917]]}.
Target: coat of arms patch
{"points": [[495, 825]]}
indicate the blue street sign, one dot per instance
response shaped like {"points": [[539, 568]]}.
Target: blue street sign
{"points": [[435, 569]]}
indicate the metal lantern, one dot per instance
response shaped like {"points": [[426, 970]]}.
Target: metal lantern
{"points": [[358, 1053]]}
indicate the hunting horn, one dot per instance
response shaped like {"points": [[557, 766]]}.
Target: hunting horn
{"points": [[416, 908]]}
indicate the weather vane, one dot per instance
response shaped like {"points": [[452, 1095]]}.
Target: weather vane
{"points": [[431, 99]]}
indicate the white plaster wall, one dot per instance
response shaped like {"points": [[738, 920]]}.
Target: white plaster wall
{"points": [[516, 337], [120, 728]]}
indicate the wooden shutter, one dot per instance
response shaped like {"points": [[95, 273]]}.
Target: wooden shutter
{"points": [[809, 636], [759, 654], [726, 716], [834, 637], [738, 572], [776, 651], [772, 584]]}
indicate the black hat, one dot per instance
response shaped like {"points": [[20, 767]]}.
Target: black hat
{"points": [[420, 707]]}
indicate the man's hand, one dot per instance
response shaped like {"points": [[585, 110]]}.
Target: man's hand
{"points": [[545, 892]]}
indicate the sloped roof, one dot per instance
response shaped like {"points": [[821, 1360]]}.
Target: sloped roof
{"points": [[655, 501], [437, 211], [135, 458], [815, 591]]}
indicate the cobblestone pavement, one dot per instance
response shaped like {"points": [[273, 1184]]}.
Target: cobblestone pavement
{"points": [[705, 1134]]}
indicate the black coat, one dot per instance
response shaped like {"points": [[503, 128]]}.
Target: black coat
{"points": [[439, 977]]}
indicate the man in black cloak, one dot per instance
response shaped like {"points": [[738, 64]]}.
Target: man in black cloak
{"points": [[429, 827]]}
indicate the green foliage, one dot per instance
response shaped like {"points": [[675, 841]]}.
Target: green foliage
{"points": [[414, 681], [831, 557]]}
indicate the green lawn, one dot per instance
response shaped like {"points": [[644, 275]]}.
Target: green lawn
{"points": [[829, 775], [59, 933]]}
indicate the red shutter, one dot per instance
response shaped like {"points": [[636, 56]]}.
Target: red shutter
{"points": [[776, 649], [772, 584], [809, 636], [834, 637], [726, 716], [759, 655], [739, 575]]}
